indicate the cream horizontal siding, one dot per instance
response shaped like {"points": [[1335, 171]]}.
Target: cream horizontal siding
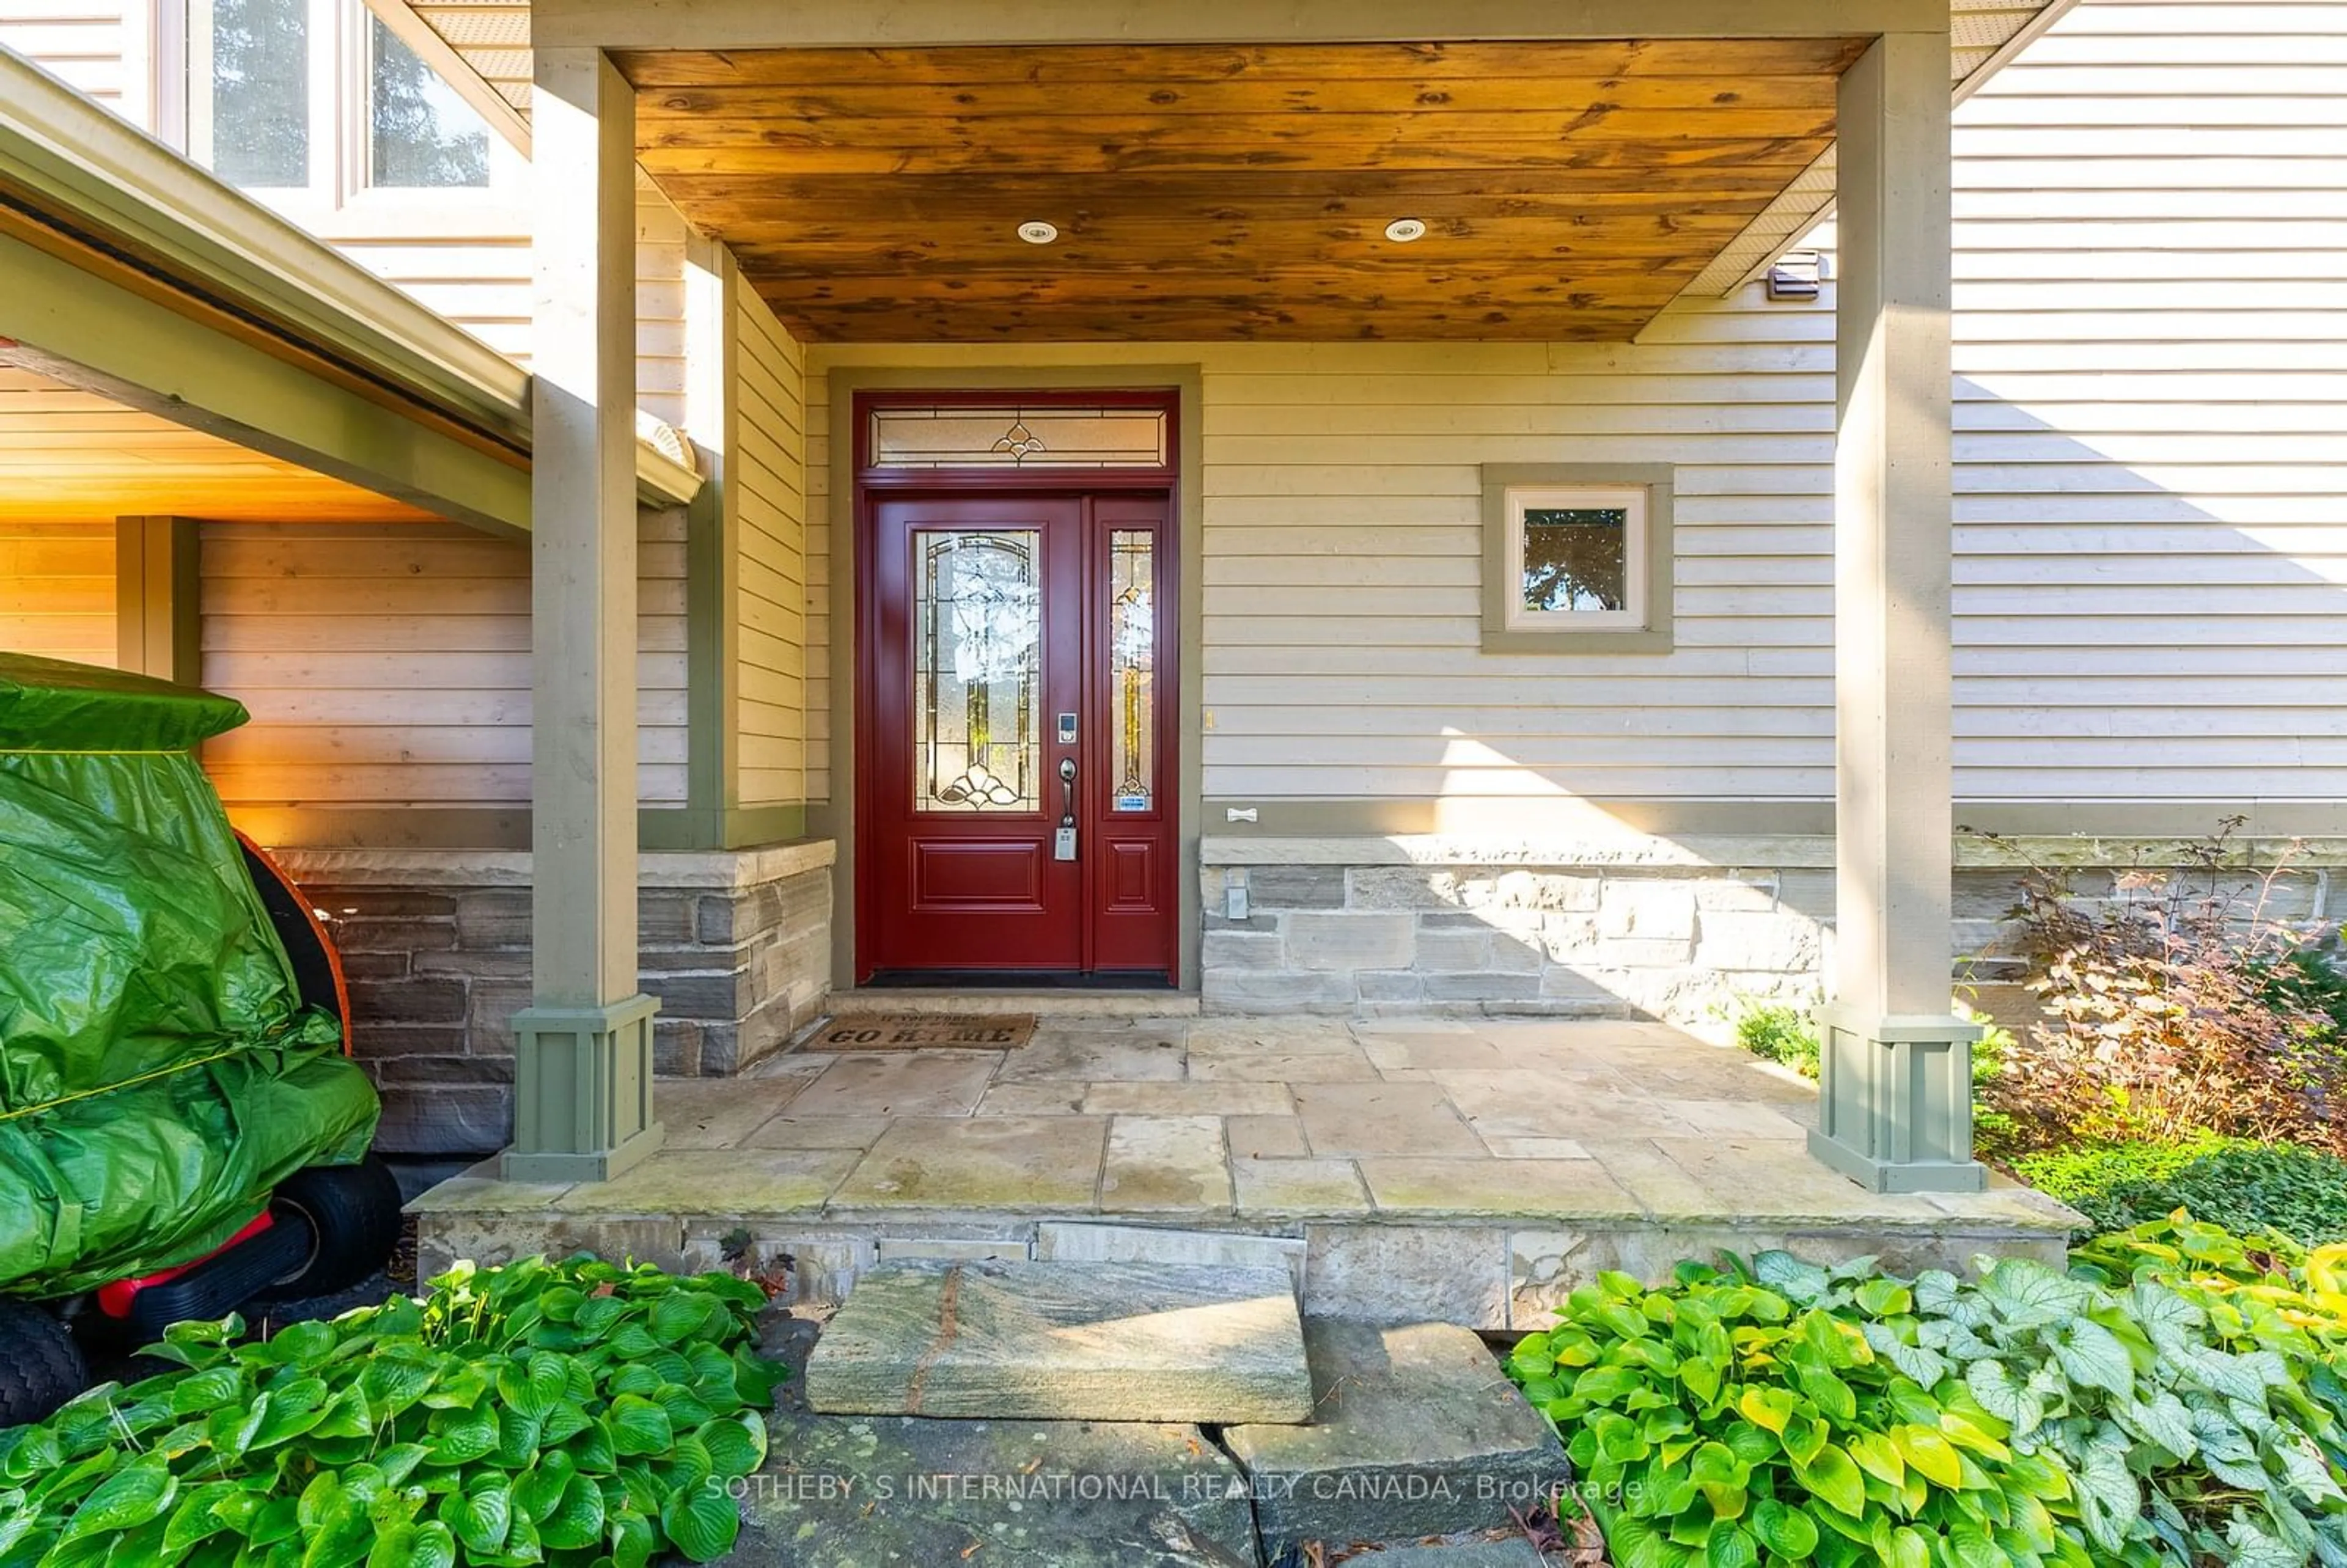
{"points": [[469, 261], [768, 472], [2151, 359], [1342, 562], [84, 43], [57, 591], [1343, 567], [663, 669], [389, 664]]}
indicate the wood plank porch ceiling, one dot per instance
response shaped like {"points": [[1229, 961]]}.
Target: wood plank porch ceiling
{"points": [[1571, 190]]}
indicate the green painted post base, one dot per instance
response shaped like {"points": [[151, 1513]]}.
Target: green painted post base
{"points": [[1895, 1101], [582, 1091]]}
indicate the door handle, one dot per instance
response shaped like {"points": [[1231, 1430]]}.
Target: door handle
{"points": [[1063, 843]]}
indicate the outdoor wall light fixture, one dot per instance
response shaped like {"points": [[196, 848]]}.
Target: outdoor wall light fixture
{"points": [[1402, 231], [1035, 231], [1795, 275]]}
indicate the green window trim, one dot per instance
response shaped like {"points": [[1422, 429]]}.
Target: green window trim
{"points": [[1650, 487]]}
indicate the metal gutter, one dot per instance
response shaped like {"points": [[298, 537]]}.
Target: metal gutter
{"points": [[73, 166]]}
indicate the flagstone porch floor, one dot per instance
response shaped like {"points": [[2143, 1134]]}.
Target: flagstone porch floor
{"points": [[1468, 1169]]}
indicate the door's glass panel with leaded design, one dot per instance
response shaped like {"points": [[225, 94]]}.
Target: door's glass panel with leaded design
{"points": [[1046, 436], [977, 670], [1133, 669]]}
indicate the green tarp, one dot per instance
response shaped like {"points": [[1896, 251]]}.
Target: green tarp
{"points": [[158, 1073]]}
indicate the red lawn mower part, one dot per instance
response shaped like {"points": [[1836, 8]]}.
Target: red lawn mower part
{"points": [[317, 962], [274, 1246], [116, 1299]]}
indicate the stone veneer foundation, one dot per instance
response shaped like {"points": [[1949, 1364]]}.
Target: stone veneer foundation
{"points": [[1636, 925], [436, 947]]}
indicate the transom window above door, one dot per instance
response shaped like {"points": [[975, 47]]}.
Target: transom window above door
{"points": [[1017, 436], [315, 105]]}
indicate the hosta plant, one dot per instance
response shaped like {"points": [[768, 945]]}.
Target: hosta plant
{"points": [[1729, 1420], [1782, 1413], [2264, 1290], [580, 1412]]}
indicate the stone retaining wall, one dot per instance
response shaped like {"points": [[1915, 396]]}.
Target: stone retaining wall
{"points": [[1669, 928], [1490, 1275], [435, 948]]}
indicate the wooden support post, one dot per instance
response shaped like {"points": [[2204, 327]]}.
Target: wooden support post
{"points": [[158, 629], [583, 1048], [1897, 1082]]}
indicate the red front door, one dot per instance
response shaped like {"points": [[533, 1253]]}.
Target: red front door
{"points": [[1017, 815]]}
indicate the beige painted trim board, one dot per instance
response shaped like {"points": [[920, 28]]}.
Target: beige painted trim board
{"points": [[1356, 824], [158, 590], [1754, 852], [662, 829], [1570, 818], [911, 24]]}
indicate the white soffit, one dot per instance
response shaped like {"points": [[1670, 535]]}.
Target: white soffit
{"points": [[1982, 36], [491, 36]]}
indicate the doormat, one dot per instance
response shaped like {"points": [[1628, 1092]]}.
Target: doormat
{"points": [[925, 1031]]}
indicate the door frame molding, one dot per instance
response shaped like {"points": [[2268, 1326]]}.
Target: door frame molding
{"points": [[1177, 388]]}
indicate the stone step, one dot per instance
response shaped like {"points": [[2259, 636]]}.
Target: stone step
{"points": [[1417, 1431], [903, 1492], [1073, 1002], [1017, 1341]]}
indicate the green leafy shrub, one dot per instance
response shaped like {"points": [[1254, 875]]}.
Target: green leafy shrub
{"points": [[579, 1412], [1779, 1413], [1785, 1034], [2086, 1175], [2301, 1193], [1775, 1031], [2264, 1290]]}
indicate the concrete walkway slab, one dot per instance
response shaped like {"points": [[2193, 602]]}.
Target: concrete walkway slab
{"points": [[1066, 1341], [1415, 1432], [851, 1492], [1036, 1163], [1518, 1553]]}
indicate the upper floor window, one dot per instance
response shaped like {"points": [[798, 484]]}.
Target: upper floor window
{"points": [[419, 132], [317, 101], [249, 121]]}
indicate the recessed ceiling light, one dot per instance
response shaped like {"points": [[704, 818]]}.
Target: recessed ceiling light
{"points": [[1038, 233], [1402, 231]]}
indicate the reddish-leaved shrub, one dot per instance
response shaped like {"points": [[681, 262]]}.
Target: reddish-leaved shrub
{"points": [[2181, 1005]]}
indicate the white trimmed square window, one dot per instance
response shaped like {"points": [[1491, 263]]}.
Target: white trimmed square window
{"points": [[1577, 558]]}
